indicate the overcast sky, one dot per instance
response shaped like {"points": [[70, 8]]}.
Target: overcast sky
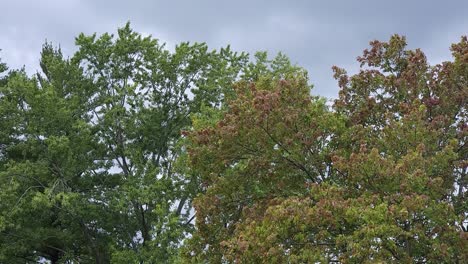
{"points": [[314, 34]]}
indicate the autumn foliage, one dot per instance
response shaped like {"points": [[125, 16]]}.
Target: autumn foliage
{"points": [[379, 178]]}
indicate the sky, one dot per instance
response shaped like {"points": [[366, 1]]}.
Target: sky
{"points": [[314, 34]]}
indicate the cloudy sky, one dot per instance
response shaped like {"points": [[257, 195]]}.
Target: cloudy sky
{"points": [[314, 34]]}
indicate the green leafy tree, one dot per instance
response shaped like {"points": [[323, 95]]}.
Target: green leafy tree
{"points": [[89, 145], [142, 96], [45, 166]]}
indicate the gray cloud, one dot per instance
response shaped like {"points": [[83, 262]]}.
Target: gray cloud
{"points": [[315, 35]]}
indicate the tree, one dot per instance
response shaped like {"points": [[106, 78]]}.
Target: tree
{"points": [[412, 118], [380, 178], [92, 142], [45, 165], [142, 94], [271, 142]]}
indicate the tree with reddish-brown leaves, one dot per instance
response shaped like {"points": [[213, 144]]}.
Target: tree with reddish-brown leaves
{"points": [[382, 178], [270, 144]]}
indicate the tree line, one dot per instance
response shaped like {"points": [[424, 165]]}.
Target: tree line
{"points": [[130, 152]]}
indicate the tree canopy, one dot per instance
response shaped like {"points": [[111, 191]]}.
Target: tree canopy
{"points": [[380, 177], [132, 152]]}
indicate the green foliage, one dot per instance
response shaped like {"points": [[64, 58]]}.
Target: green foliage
{"points": [[106, 156], [89, 148]]}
